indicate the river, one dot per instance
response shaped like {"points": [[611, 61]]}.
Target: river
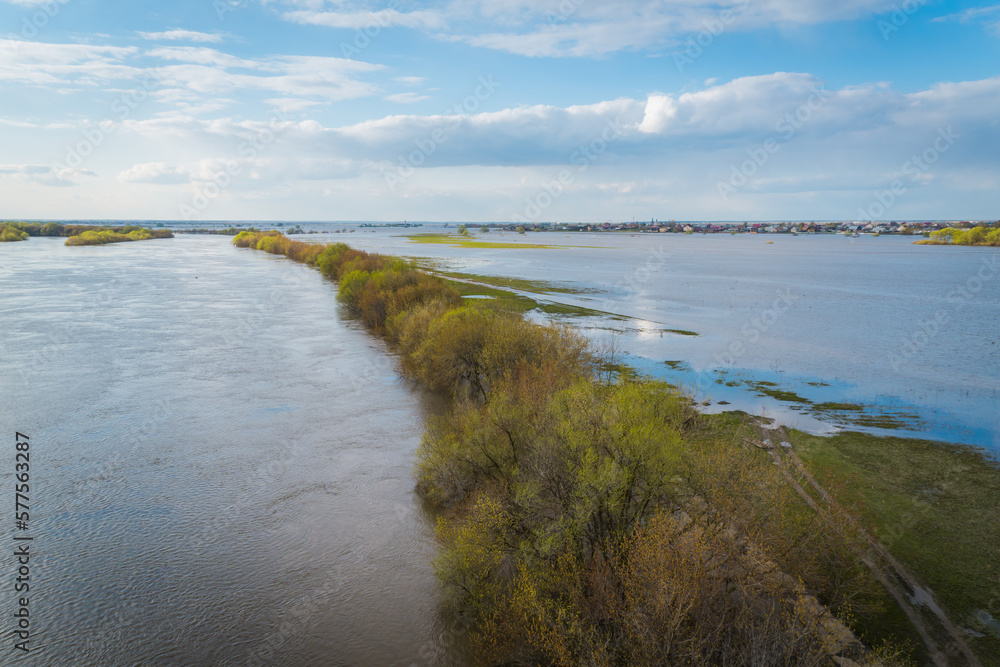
{"points": [[221, 466]]}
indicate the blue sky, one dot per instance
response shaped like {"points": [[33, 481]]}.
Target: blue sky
{"points": [[500, 110]]}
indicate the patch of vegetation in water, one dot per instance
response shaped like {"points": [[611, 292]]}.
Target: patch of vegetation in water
{"points": [[838, 407], [507, 300], [467, 242], [678, 365], [682, 332], [537, 286], [882, 421], [770, 389]]}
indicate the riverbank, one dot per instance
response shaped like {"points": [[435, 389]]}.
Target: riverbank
{"points": [[553, 480]]}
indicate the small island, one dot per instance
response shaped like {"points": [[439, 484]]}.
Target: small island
{"points": [[982, 235], [80, 234], [105, 235]]}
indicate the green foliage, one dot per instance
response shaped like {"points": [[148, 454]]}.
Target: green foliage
{"points": [[80, 234], [980, 235], [9, 233], [101, 236], [463, 230], [469, 349]]}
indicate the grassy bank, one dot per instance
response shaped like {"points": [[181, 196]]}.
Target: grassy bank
{"points": [[935, 506], [592, 517]]}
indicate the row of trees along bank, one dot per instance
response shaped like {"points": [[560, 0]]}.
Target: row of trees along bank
{"points": [[588, 517]]}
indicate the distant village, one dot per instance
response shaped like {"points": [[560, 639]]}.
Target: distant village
{"points": [[908, 227]]}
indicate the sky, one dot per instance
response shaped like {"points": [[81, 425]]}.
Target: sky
{"points": [[500, 110]]}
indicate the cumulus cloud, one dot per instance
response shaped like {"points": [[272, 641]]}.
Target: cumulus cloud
{"points": [[833, 147], [733, 116]]}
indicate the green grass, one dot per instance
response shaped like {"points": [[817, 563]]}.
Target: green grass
{"points": [[935, 506], [469, 242], [535, 286]]}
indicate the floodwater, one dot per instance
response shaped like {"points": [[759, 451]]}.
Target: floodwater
{"points": [[903, 337], [221, 464]]}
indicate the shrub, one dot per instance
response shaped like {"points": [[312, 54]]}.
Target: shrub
{"points": [[9, 233]]}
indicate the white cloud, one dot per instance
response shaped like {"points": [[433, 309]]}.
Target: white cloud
{"points": [[291, 104], [988, 16], [406, 98], [582, 28], [668, 146], [790, 108], [183, 35], [198, 71], [410, 80], [40, 63], [154, 172], [368, 20], [44, 174]]}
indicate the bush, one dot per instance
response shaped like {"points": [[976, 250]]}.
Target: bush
{"points": [[9, 233]]}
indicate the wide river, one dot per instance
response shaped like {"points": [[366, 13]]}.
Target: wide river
{"points": [[221, 464], [221, 461]]}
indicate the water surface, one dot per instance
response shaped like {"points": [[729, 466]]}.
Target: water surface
{"points": [[221, 463]]}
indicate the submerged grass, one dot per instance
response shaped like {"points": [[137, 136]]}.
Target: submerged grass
{"points": [[771, 389], [536, 286]]}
